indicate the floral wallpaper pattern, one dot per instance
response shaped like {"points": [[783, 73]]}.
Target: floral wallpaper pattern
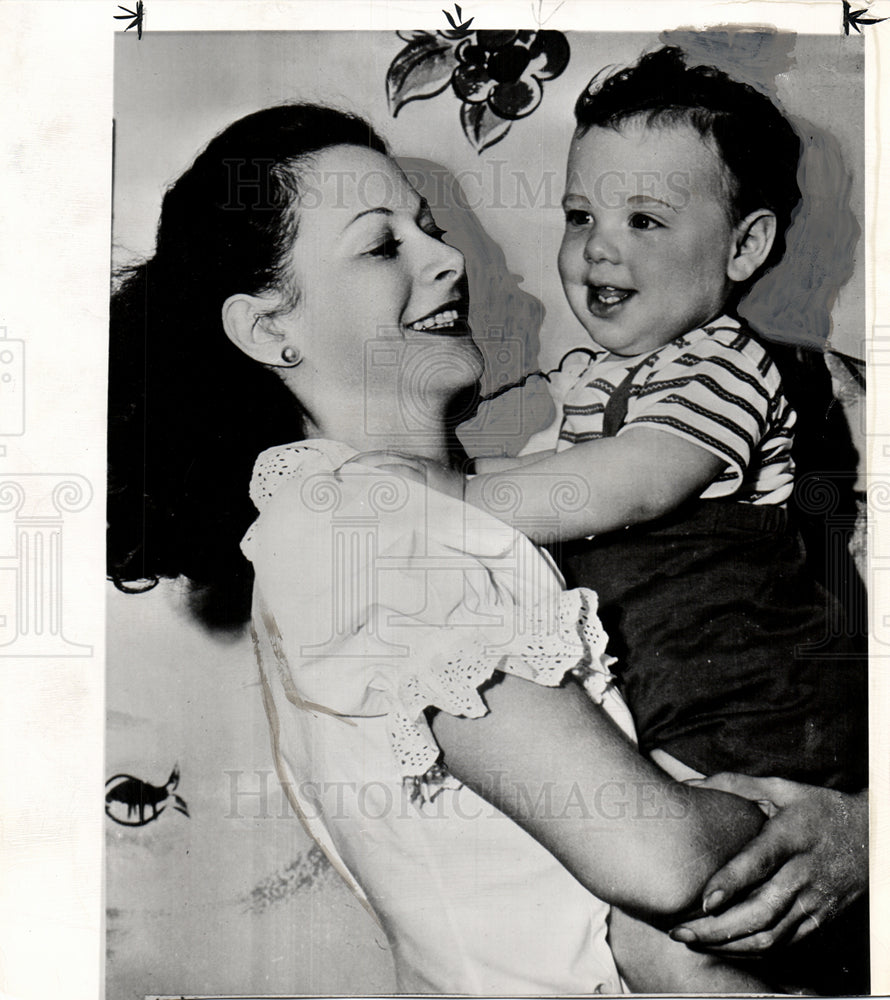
{"points": [[498, 76]]}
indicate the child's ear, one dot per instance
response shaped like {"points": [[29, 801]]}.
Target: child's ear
{"points": [[752, 241], [250, 323]]}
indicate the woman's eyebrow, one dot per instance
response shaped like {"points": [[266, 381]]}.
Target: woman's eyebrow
{"points": [[368, 211], [423, 207]]}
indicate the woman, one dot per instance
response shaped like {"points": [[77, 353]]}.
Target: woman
{"points": [[344, 316]]}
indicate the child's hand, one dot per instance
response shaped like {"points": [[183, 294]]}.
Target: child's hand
{"points": [[809, 862], [421, 470]]}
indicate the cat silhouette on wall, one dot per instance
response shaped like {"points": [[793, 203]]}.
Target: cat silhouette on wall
{"points": [[133, 802]]}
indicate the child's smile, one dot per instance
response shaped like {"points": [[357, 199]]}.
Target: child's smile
{"points": [[604, 300], [648, 236]]}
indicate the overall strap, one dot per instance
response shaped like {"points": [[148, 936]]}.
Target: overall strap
{"points": [[616, 408]]}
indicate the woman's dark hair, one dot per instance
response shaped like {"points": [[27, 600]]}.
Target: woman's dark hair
{"points": [[189, 412], [759, 148]]}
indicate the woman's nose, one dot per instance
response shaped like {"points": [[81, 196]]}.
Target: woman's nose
{"points": [[601, 247], [446, 263]]}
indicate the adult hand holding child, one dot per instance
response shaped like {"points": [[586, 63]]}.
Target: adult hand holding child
{"points": [[807, 864]]}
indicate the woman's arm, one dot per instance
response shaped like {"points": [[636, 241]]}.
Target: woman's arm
{"points": [[556, 763], [649, 962]]}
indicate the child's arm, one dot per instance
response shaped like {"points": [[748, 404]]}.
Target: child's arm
{"points": [[499, 464], [637, 476]]}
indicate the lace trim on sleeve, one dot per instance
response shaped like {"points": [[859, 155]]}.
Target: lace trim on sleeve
{"points": [[276, 466], [577, 645]]}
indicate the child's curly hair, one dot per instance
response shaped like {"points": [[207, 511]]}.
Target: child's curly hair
{"points": [[758, 146]]}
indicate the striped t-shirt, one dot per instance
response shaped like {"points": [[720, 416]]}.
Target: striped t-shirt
{"points": [[715, 386]]}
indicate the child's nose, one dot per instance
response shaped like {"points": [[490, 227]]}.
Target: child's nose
{"points": [[600, 247]]}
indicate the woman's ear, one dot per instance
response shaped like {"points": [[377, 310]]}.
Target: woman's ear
{"points": [[752, 241], [250, 324]]}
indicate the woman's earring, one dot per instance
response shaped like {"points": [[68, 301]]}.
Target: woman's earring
{"points": [[291, 356]]}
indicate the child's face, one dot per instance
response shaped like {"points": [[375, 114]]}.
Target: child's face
{"points": [[648, 237]]}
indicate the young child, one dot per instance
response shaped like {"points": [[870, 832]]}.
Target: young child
{"points": [[680, 185]]}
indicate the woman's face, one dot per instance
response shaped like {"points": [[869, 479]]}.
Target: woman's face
{"points": [[382, 303]]}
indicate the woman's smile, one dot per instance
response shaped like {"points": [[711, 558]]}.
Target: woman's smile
{"points": [[449, 320]]}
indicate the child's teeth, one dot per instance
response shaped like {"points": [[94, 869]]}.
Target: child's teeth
{"points": [[610, 296]]}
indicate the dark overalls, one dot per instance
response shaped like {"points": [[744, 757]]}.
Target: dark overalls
{"points": [[729, 655]]}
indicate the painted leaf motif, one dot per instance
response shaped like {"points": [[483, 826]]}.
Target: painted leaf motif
{"points": [[414, 35], [482, 126], [421, 70]]}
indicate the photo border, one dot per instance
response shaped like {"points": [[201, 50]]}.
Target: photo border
{"points": [[56, 203]]}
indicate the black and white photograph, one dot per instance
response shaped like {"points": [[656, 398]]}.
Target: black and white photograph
{"points": [[477, 435]]}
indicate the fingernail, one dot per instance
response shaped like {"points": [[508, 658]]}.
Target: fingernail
{"points": [[683, 934], [713, 900]]}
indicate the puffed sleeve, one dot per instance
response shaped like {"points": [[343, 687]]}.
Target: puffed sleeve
{"points": [[723, 400], [379, 597]]}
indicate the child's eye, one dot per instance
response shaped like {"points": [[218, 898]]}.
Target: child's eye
{"points": [[387, 247], [577, 217], [640, 221]]}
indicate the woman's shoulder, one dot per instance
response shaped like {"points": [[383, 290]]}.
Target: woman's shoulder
{"points": [[289, 462]]}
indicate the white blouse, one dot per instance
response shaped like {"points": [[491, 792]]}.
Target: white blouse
{"points": [[375, 599]]}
